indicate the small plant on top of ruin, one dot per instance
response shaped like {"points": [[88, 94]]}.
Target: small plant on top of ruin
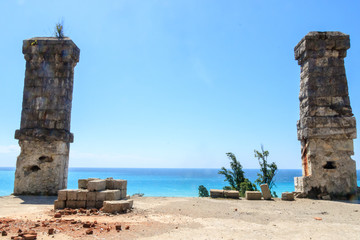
{"points": [[203, 192], [267, 170], [235, 177], [59, 30]]}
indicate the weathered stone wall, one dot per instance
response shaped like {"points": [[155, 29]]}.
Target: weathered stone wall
{"points": [[44, 133], [326, 127]]}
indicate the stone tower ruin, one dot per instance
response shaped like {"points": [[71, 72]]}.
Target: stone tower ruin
{"points": [[326, 127], [44, 135]]}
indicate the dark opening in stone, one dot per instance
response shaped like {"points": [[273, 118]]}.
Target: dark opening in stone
{"points": [[34, 168], [329, 165], [45, 159]]}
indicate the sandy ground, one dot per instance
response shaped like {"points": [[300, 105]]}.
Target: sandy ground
{"points": [[192, 218]]}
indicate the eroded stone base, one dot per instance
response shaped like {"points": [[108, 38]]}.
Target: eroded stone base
{"points": [[41, 168]]}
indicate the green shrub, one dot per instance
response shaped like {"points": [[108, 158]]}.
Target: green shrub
{"points": [[203, 192]]}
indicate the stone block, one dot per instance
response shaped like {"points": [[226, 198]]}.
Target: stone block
{"points": [[80, 204], [111, 195], [100, 196], [91, 196], [123, 194], [120, 184], [253, 195], [62, 195], [72, 194], [287, 196], [231, 194], [59, 204], [216, 193], [109, 183], [82, 183], [96, 185], [71, 204], [265, 191], [90, 204], [82, 195], [99, 204], [117, 206]]}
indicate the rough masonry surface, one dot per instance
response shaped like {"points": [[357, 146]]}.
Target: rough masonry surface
{"points": [[44, 135], [326, 127]]}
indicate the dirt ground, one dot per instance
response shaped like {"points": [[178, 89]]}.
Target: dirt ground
{"points": [[187, 218]]}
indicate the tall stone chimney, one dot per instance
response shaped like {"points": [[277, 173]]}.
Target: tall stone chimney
{"points": [[44, 135], [326, 127]]}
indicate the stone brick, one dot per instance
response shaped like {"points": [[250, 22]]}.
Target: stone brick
{"points": [[216, 193], [109, 183], [287, 196], [82, 195], [111, 195], [82, 183], [91, 196], [120, 184], [62, 195], [117, 206], [265, 191], [123, 194], [96, 185], [71, 204], [253, 195], [90, 204], [80, 204], [100, 196], [231, 194], [58, 204], [72, 194], [99, 204]]}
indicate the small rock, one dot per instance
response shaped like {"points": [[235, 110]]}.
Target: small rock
{"points": [[4, 233], [29, 237], [118, 227], [50, 231], [57, 215], [87, 225], [127, 228], [89, 231], [318, 218]]}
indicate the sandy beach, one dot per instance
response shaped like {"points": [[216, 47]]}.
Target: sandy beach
{"points": [[188, 218]]}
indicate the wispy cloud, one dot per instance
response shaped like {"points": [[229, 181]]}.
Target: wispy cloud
{"points": [[9, 149]]}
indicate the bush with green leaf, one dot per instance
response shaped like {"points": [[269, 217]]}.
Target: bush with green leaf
{"points": [[267, 170], [203, 192], [235, 177]]}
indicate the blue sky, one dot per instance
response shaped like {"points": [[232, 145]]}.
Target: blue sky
{"points": [[176, 83]]}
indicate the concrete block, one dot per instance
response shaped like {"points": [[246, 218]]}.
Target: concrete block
{"points": [[109, 183], [253, 195], [96, 185], [72, 194], [111, 195], [117, 206], [58, 204], [90, 204], [100, 196], [71, 204], [91, 196], [120, 184], [123, 194], [80, 204], [287, 196], [265, 191], [231, 194], [82, 195], [82, 183], [62, 195], [99, 204], [216, 193]]}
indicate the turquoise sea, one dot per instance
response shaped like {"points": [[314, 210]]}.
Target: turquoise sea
{"points": [[169, 182]]}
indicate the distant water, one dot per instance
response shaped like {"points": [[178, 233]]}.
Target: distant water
{"points": [[169, 182]]}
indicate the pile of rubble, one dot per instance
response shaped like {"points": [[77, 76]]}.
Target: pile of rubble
{"points": [[108, 194]]}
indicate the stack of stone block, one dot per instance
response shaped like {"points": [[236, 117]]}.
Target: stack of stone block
{"points": [[217, 193], [92, 193]]}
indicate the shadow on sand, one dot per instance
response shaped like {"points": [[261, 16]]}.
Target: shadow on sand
{"points": [[46, 200]]}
